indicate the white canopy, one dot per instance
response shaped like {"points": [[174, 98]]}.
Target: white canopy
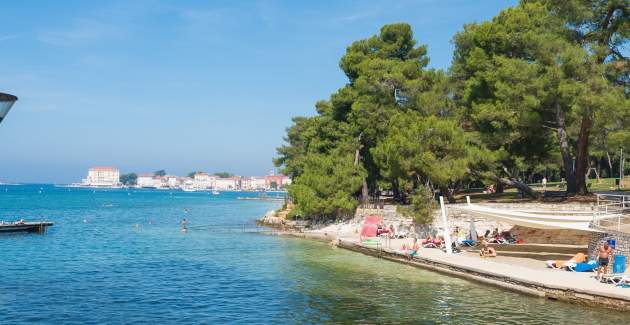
{"points": [[534, 219]]}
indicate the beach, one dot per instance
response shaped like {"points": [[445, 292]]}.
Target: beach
{"points": [[520, 268]]}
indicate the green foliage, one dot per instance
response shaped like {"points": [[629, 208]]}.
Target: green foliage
{"points": [[128, 179], [524, 94], [327, 185], [223, 174], [421, 206], [160, 172], [516, 72], [424, 149]]}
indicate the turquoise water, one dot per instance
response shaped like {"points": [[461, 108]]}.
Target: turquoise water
{"points": [[118, 256]]}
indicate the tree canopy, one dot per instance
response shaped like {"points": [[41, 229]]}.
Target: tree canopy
{"points": [[129, 179], [535, 87]]}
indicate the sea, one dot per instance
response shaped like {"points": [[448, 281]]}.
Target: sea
{"points": [[118, 256]]}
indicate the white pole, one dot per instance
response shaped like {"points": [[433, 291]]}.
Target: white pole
{"points": [[468, 199], [620, 168], [447, 234]]}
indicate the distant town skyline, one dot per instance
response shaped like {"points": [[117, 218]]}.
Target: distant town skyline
{"points": [[184, 86]]}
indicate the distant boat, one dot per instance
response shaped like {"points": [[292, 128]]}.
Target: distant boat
{"points": [[188, 189], [215, 192]]}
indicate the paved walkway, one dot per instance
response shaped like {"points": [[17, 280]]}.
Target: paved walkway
{"points": [[536, 274]]}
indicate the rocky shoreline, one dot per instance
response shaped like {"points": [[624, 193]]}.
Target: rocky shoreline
{"points": [[351, 227]]}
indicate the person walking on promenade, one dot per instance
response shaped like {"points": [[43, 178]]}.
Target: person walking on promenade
{"points": [[604, 252]]}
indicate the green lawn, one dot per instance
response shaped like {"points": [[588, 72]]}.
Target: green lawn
{"points": [[512, 195]]}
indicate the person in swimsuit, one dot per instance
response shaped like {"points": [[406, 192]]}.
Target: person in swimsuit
{"points": [[413, 250], [487, 251], [184, 225], [604, 254]]}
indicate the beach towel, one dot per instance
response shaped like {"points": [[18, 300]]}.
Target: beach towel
{"points": [[583, 267], [577, 258]]}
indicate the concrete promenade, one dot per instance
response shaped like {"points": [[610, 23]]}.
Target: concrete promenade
{"points": [[526, 276]]}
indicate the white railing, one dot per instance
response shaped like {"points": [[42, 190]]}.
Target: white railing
{"points": [[613, 212]]}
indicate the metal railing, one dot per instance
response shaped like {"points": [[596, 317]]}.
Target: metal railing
{"points": [[612, 212]]}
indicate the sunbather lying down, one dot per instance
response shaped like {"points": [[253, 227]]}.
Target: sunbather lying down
{"points": [[557, 264], [487, 251]]}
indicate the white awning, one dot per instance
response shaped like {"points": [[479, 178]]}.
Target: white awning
{"points": [[534, 219]]}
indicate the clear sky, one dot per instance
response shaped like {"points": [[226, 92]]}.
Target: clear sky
{"points": [[183, 85]]}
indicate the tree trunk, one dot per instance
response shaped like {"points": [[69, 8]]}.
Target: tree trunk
{"points": [[610, 166], [396, 190], [365, 196], [499, 188], [582, 155], [563, 140], [519, 185], [446, 192]]}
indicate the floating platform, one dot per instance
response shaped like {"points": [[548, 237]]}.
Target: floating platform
{"points": [[38, 227]]}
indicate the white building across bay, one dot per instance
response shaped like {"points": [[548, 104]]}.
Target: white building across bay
{"points": [[200, 181], [102, 176]]}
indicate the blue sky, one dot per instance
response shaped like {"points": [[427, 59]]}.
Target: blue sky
{"points": [[183, 85]]}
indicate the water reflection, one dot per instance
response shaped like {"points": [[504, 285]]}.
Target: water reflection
{"points": [[340, 286]]}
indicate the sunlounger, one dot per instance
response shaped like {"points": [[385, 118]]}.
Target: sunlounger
{"points": [[432, 244], [589, 266], [468, 242]]}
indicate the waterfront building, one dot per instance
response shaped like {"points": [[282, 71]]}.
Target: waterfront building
{"points": [[230, 183], [160, 181], [172, 181], [259, 183], [246, 183], [145, 180], [102, 176], [277, 182], [203, 181]]}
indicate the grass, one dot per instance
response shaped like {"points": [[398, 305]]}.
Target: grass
{"points": [[511, 195]]}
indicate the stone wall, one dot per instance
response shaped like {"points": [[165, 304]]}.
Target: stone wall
{"points": [[622, 244]]}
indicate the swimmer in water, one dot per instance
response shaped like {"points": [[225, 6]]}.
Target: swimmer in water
{"points": [[184, 224]]}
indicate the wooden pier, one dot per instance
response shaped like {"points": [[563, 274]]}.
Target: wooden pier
{"points": [[38, 227]]}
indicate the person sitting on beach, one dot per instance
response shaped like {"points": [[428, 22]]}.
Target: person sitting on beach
{"points": [[392, 231], [429, 239], [487, 251], [455, 233], [413, 250], [604, 252]]}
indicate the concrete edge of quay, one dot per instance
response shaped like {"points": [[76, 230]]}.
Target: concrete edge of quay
{"points": [[571, 295]]}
